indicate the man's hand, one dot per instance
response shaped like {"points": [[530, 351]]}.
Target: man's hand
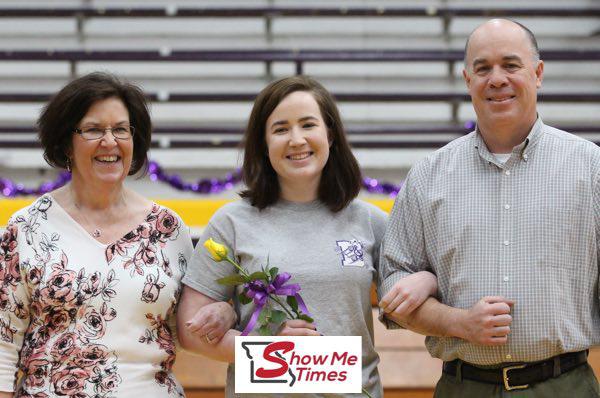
{"points": [[487, 322]]}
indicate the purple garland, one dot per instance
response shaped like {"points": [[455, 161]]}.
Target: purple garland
{"points": [[203, 186], [9, 189], [382, 188]]}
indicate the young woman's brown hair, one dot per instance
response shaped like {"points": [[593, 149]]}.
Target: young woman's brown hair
{"points": [[340, 180]]}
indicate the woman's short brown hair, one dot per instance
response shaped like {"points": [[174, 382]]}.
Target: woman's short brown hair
{"points": [[60, 117], [340, 180]]}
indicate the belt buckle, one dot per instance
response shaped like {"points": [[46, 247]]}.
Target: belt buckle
{"points": [[505, 378]]}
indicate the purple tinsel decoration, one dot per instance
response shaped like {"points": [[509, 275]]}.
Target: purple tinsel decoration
{"points": [[203, 187], [382, 188], [9, 189]]}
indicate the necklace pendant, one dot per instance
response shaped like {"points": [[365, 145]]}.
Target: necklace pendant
{"points": [[96, 233]]}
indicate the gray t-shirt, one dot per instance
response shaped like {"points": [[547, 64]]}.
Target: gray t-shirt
{"points": [[333, 256]]}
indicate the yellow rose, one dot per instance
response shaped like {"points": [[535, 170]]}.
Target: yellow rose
{"points": [[217, 251]]}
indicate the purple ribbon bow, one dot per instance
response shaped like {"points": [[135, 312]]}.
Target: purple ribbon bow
{"points": [[259, 292]]}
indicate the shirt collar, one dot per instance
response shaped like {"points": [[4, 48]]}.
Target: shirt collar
{"points": [[523, 151]]}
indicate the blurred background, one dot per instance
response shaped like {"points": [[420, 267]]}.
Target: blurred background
{"points": [[395, 67]]}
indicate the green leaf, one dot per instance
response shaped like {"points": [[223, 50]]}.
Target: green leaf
{"points": [[273, 272], [244, 299], [278, 317], [265, 330], [259, 275], [265, 315], [291, 300], [306, 318], [232, 280]]}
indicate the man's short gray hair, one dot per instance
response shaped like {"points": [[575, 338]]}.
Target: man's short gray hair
{"points": [[532, 42]]}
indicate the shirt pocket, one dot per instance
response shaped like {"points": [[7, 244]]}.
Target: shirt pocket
{"points": [[561, 234]]}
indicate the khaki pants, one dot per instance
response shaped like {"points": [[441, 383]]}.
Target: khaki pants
{"points": [[577, 383]]}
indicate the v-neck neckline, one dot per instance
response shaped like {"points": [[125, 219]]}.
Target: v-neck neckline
{"points": [[87, 234]]}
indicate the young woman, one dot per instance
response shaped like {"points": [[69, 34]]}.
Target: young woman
{"points": [[299, 211]]}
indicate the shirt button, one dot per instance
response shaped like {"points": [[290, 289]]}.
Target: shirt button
{"points": [[525, 157], [508, 356], [507, 207], [505, 279], [507, 172], [506, 243]]}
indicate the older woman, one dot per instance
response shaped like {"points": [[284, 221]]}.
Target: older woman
{"points": [[90, 273], [300, 211]]}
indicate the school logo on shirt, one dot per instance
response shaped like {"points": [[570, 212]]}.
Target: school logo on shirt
{"points": [[351, 253], [298, 364]]}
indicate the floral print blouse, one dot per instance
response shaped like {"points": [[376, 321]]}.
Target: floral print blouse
{"points": [[82, 319]]}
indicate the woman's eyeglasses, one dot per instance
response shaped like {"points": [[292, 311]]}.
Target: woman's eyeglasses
{"points": [[96, 133]]}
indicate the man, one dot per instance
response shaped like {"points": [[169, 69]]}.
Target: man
{"points": [[508, 218]]}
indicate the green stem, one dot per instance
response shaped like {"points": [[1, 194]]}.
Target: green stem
{"points": [[236, 265], [276, 299], [366, 393]]}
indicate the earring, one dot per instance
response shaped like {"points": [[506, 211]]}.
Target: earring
{"points": [[69, 165]]}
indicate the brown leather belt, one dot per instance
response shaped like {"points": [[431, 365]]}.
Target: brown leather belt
{"points": [[519, 376]]}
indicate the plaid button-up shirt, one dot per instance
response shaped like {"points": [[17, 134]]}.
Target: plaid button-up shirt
{"points": [[527, 230]]}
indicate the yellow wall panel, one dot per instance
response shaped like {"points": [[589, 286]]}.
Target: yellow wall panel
{"points": [[195, 212]]}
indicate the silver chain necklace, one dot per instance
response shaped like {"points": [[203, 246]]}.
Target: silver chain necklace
{"points": [[97, 231]]}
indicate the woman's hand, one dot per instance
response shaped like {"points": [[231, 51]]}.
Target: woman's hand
{"points": [[409, 293], [298, 327], [6, 394], [191, 303], [212, 321]]}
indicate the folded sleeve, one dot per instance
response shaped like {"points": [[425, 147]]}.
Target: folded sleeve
{"points": [[203, 272], [14, 307], [403, 250], [596, 202]]}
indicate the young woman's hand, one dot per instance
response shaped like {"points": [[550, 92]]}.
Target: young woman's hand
{"points": [[409, 293], [298, 327]]}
